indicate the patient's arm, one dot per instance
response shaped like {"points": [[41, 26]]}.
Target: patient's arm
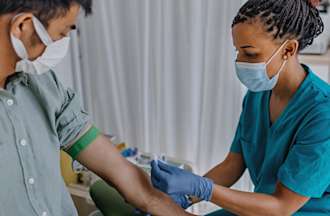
{"points": [[105, 160]]}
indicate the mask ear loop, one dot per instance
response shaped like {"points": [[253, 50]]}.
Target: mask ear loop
{"points": [[277, 52], [282, 67], [42, 32], [285, 60], [18, 44], [13, 19], [284, 63]]}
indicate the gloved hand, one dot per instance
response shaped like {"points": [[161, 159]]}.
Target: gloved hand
{"points": [[175, 181], [181, 200]]}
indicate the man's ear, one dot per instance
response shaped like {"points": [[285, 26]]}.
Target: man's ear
{"points": [[291, 48], [20, 24]]}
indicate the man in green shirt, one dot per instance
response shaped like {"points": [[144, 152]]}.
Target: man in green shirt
{"points": [[39, 117]]}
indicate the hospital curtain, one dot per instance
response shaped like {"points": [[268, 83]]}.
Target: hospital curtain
{"points": [[159, 74]]}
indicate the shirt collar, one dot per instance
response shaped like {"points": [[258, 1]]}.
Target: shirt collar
{"points": [[18, 77]]}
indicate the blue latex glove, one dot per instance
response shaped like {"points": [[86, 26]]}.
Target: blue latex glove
{"points": [[181, 200], [175, 181]]}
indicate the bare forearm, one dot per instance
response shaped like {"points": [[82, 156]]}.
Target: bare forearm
{"points": [[283, 202], [224, 175], [229, 171], [248, 204], [106, 161], [161, 205], [141, 194]]}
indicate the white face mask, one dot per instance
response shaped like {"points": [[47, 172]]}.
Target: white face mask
{"points": [[254, 75], [54, 53]]}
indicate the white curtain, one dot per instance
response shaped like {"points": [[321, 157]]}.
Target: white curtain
{"points": [[69, 70], [159, 74]]}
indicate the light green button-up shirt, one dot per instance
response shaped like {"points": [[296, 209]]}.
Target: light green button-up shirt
{"points": [[38, 118]]}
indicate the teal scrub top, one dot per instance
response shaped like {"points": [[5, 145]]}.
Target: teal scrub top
{"points": [[294, 150]]}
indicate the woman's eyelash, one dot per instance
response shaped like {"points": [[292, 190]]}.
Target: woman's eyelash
{"points": [[237, 52], [251, 54]]}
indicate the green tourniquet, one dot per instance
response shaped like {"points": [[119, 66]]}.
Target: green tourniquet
{"points": [[83, 142]]}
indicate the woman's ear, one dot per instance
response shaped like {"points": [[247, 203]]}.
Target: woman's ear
{"points": [[20, 24], [291, 48]]}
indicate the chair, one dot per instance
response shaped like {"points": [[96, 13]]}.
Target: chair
{"points": [[110, 202]]}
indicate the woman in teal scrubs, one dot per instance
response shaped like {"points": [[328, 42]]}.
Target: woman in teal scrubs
{"points": [[283, 136]]}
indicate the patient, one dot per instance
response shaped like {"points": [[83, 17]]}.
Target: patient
{"points": [[39, 117]]}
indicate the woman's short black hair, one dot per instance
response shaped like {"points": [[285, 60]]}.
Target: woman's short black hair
{"points": [[45, 10], [284, 19]]}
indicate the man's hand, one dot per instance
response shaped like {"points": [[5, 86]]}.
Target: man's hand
{"points": [[105, 160]]}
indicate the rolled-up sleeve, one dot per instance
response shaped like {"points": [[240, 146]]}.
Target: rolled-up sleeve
{"points": [[306, 170], [74, 127]]}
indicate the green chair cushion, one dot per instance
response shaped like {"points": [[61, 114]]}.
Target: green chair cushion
{"points": [[110, 202]]}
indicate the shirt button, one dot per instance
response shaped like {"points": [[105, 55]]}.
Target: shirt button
{"points": [[44, 214], [31, 181], [10, 102], [23, 142]]}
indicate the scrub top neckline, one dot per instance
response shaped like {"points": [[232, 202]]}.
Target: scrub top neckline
{"points": [[273, 126]]}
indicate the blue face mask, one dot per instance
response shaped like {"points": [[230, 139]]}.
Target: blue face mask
{"points": [[254, 75]]}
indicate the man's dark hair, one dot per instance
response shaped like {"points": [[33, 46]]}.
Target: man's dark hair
{"points": [[45, 10], [285, 19]]}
